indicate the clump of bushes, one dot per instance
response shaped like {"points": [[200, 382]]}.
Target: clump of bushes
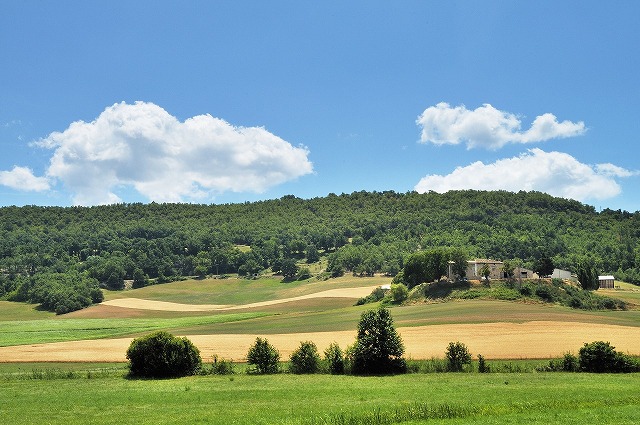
{"points": [[594, 357], [397, 293], [264, 357], [162, 355], [565, 294], [222, 366], [601, 357], [375, 296], [568, 363]]}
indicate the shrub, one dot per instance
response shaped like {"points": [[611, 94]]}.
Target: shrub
{"points": [[526, 290], [303, 273], [222, 366], [457, 356], [483, 367], [378, 348], [263, 356], [305, 359], [601, 357], [568, 363], [162, 355], [544, 292], [334, 357], [398, 293]]}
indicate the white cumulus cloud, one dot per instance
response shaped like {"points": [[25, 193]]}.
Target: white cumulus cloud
{"points": [[142, 146], [22, 178], [488, 127], [556, 173]]}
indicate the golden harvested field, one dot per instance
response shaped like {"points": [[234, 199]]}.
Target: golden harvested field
{"points": [[530, 340]]}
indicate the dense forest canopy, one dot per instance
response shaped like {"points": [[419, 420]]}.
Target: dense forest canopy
{"points": [[362, 232]]}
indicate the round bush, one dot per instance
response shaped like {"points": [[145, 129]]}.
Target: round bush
{"points": [[162, 355], [263, 356], [457, 356], [601, 357], [305, 359]]}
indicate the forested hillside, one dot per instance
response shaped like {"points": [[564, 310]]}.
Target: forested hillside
{"points": [[41, 247]]}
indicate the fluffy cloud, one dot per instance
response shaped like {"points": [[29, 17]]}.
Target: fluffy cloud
{"points": [[144, 147], [488, 127], [22, 178], [556, 173]]}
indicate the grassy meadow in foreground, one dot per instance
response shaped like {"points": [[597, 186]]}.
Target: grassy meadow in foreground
{"points": [[324, 399]]}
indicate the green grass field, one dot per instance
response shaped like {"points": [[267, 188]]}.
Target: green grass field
{"points": [[51, 330], [538, 398]]}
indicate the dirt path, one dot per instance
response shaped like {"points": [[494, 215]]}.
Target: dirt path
{"points": [[492, 340], [142, 304]]}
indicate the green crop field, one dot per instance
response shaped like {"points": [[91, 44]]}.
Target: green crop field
{"points": [[41, 331], [109, 398], [21, 311]]}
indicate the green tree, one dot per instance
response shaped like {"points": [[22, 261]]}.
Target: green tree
{"points": [[162, 355], [289, 268], [426, 266], [459, 266], [415, 269], [312, 254], [587, 275], [263, 356], [334, 357], [140, 280], [305, 359], [508, 268], [457, 356], [378, 348], [485, 272], [202, 264], [543, 266]]}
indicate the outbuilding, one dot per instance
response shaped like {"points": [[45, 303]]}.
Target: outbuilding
{"points": [[606, 281]]}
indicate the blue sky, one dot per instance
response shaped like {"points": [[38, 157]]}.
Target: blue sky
{"points": [[234, 101]]}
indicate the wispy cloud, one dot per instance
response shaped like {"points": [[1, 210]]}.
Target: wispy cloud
{"points": [[556, 173], [488, 127], [166, 160], [22, 178]]}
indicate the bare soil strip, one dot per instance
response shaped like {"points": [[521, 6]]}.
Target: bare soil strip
{"points": [[531, 340], [142, 304]]}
